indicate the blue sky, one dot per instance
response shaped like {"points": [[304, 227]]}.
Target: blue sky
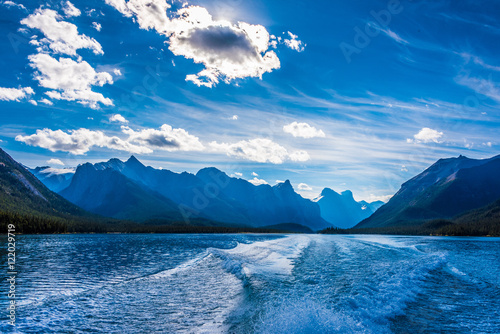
{"points": [[348, 95]]}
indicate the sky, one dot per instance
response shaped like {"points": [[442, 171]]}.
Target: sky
{"points": [[357, 95]]}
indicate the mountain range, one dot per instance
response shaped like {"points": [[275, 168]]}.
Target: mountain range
{"points": [[456, 190], [130, 190], [445, 190]]}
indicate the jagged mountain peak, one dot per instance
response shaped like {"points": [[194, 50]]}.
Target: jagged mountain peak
{"points": [[284, 186], [132, 159], [133, 162]]}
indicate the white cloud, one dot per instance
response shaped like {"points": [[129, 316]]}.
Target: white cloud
{"points": [[15, 94], [383, 198], [70, 10], [150, 14], [304, 187], [166, 138], [487, 144], [45, 101], [280, 181], [259, 150], [237, 174], [235, 117], [426, 135], [78, 141], [96, 26], [117, 72], [144, 141], [254, 174], [71, 80], [33, 102], [486, 87], [257, 182], [299, 156], [395, 37], [228, 51], [294, 43], [302, 130], [55, 162], [57, 171], [9, 3], [61, 37], [403, 168], [118, 118]]}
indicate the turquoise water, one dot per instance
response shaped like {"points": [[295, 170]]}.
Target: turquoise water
{"points": [[254, 284]]}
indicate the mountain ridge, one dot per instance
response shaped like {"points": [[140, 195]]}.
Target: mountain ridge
{"points": [[447, 188], [210, 194]]}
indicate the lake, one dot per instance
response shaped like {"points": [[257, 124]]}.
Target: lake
{"points": [[245, 283]]}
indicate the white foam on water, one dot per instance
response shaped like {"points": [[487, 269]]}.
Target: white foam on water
{"points": [[380, 276], [181, 267], [306, 316], [456, 271], [271, 257], [385, 241]]}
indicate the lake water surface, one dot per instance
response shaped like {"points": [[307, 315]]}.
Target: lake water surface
{"points": [[254, 284]]}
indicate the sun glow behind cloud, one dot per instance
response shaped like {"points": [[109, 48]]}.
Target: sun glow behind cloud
{"points": [[227, 50]]}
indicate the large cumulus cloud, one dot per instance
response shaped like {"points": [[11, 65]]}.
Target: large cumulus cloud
{"points": [[228, 51]]}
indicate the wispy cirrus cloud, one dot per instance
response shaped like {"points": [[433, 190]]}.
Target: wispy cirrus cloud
{"points": [[394, 36]]}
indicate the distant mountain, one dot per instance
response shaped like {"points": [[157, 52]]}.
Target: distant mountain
{"points": [[373, 206], [446, 189], [264, 204], [107, 192], [342, 210], [23, 194], [190, 194], [55, 179], [130, 190]]}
